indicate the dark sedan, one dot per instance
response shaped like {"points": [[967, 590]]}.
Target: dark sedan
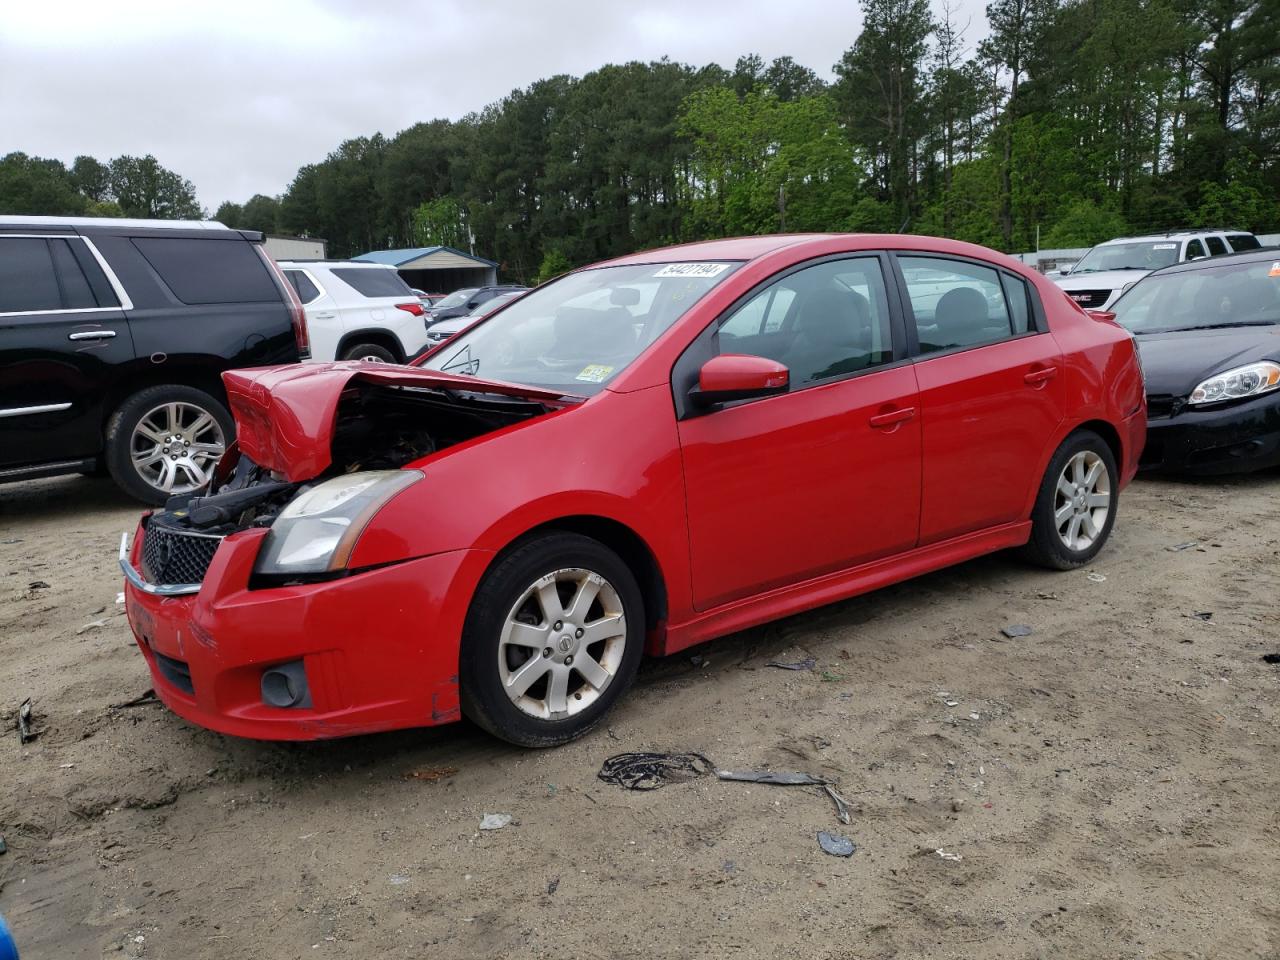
{"points": [[1208, 333]]}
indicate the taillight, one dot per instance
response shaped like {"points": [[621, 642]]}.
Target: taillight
{"points": [[297, 316], [414, 308]]}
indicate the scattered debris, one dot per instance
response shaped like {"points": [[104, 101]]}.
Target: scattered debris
{"points": [[975, 716], [773, 778], [11, 540], [25, 733], [397, 879], [947, 856], [1038, 691], [698, 660], [835, 844], [4, 847], [957, 805], [808, 663], [37, 585], [1047, 596], [730, 867], [91, 625], [553, 886], [495, 821], [830, 677], [1098, 577], [1016, 630], [1205, 615], [649, 771], [1272, 658], [139, 701], [430, 774], [842, 805], [1179, 547], [120, 597]]}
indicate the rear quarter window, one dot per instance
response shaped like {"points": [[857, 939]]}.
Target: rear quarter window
{"points": [[373, 283], [1243, 241], [202, 271]]}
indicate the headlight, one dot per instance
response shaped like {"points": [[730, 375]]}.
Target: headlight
{"points": [[1236, 384], [316, 532]]}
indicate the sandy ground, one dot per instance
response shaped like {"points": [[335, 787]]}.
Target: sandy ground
{"points": [[1108, 786]]}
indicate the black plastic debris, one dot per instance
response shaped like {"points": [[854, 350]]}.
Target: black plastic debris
{"points": [[1016, 630], [777, 778], [808, 663], [835, 844], [1271, 658], [1179, 547], [649, 771], [37, 585], [4, 847], [139, 701], [1205, 615], [25, 733], [553, 886], [842, 805]]}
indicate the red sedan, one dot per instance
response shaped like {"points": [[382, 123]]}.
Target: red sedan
{"points": [[637, 457]]}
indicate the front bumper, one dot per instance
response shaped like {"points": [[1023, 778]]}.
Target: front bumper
{"points": [[1237, 438], [379, 648]]}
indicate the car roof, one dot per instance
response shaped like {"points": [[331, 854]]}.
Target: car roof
{"points": [[1171, 235], [128, 223], [359, 264], [1261, 255]]}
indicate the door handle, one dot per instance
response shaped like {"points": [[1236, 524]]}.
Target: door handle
{"points": [[91, 335], [892, 418], [325, 316], [1038, 378]]}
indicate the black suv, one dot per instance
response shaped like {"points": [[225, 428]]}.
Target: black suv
{"points": [[113, 338], [461, 302]]}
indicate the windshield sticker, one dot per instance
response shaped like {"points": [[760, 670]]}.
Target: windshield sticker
{"points": [[691, 270], [1275, 270], [1164, 246], [594, 373]]}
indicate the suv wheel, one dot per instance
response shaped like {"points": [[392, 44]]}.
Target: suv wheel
{"points": [[553, 638], [166, 440], [369, 352]]}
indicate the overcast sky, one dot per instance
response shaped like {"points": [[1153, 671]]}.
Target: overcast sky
{"points": [[235, 95]]}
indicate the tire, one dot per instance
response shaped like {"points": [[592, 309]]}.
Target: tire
{"points": [[509, 612], [1064, 544], [140, 427], [369, 351]]}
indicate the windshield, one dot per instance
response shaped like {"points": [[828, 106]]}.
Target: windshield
{"points": [[1236, 294], [482, 309], [457, 298], [577, 333], [1146, 255]]}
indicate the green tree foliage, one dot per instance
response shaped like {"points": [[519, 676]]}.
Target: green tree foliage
{"points": [[144, 188], [33, 185], [440, 223], [1083, 224]]}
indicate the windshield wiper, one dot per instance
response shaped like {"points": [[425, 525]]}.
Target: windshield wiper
{"points": [[1212, 326]]}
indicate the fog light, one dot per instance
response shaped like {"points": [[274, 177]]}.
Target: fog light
{"points": [[285, 686]]}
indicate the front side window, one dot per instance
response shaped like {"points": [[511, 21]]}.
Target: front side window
{"points": [[956, 304], [1195, 250], [577, 333], [824, 321], [27, 279]]}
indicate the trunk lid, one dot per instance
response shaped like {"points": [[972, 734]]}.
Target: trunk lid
{"points": [[286, 416]]}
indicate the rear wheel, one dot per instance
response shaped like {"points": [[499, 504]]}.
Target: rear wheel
{"points": [[1076, 506], [553, 638], [369, 352], [166, 440]]}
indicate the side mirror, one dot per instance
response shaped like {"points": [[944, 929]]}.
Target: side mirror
{"points": [[736, 376], [1065, 268]]}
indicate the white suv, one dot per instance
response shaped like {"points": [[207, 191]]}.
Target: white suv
{"points": [[1111, 268], [357, 311]]}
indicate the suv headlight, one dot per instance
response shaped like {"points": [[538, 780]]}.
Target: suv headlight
{"points": [[316, 532], [1237, 384]]}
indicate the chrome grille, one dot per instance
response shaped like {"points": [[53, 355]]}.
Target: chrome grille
{"points": [[1089, 298]]}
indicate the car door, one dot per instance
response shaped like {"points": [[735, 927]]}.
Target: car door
{"points": [[323, 326], [62, 330], [826, 476], [991, 390]]}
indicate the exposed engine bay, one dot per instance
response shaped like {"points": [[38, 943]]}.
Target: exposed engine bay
{"points": [[377, 427]]}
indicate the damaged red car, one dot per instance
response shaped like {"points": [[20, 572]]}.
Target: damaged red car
{"points": [[634, 458]]}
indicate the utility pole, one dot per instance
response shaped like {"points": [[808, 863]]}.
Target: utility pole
{"points": [[782, 207]]}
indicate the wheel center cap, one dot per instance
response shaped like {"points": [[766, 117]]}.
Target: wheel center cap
{"points": [[565, 643]]}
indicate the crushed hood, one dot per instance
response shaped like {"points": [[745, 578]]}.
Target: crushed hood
{"points": [[285, 416]]}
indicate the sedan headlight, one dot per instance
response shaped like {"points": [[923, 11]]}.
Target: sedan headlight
{"points": [[1237, 384], [316, 532]]}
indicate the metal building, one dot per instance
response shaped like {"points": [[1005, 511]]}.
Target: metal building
{"points": [[437, 269]]}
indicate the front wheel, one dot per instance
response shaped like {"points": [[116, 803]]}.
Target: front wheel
{"points": [[1076, 506], [553, 638]]}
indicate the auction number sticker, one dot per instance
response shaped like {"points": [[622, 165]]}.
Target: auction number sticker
{"points": [[594, 373], [1164, 246], [692, 270], [1275, 270]]}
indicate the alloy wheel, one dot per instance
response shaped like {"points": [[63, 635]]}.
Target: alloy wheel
{"points": [[1082, 500], [562, 644], [176, 446]]}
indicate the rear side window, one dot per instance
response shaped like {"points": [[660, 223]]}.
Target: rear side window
{"points": [[956, 304], [76, 293], [373, 283], [1243, 241], [202, 271], [1016, 291], [307, 291], [1216, 246], [27, 280]]}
